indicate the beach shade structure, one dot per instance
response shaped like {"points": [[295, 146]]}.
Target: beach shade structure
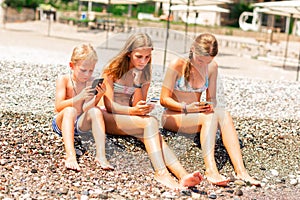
{"points": [[112, 2], [187, 3], [197, 10], [290, 9]]}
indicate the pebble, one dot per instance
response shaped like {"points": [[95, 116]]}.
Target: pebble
{"points": [[212, 196], [239, 193], [30, 151], [239, 182], [274, 172], [293, 181]]}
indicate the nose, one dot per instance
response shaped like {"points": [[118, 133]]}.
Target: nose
{"points": [[144, 60], [87, 74]]}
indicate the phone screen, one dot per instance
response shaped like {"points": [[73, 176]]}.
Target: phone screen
{"points": [[153, 100], [96, 82], [205, 103]]}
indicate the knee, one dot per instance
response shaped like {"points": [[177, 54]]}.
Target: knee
{"points": [[209, 118], [95, 113], [153, 121], [224, 116], [70, 112]]}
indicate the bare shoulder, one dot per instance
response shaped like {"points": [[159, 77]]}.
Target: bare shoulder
{"points": [[62, 79], [213, 67], [177, 64]]}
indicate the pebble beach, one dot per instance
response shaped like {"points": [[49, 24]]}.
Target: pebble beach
{"points": [[266, 114]]}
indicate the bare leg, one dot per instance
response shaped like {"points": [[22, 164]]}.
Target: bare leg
{"points": [[231, 143], [154, 148], [93, 119], [67, 127], [146, 130], [207, 138], [207, 124]]}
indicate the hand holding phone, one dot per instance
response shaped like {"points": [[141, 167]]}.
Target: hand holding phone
{"points": [[97, 81], [205, 103]]}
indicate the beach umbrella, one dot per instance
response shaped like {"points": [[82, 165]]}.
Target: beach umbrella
{"points": [[289, 9]]}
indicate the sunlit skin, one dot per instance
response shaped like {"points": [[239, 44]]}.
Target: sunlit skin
{"points": [[135, 121], [140, 57], [78, 99], [199, 118]]}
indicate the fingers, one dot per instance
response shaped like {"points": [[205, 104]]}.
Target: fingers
{"points": [[143, 109], [101, 88]]}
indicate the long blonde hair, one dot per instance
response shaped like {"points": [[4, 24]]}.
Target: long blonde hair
{"points": [[205, 44], [119, 65]]}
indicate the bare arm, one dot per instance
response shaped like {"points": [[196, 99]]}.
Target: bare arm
{"points": [[211, 92], [166, 99], [139, 106], [62, 100], [94, 99]]}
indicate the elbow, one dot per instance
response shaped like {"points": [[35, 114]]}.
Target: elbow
{"points": [[162, 102], [107, 104]]}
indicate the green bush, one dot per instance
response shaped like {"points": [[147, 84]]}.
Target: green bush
{"points": [[18, 4], [236, 10]]}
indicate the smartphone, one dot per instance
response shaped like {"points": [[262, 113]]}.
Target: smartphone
{"points": [[152, 100], [97, 81], [205, 103]]}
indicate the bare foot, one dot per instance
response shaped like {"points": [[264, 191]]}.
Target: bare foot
{"points": [[71, 163], [104, 164], [190, 180], [247, 178], [217, 179], [164, 177]]}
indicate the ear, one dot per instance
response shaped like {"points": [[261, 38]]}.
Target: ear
{"points": [[71, 64], [192, 49]]}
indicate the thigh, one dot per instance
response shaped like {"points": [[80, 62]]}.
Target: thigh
{"points": [[84, 122], [185, 123], [125, 124]]}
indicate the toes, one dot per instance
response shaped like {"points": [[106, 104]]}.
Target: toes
{"points": [[72, 166]]}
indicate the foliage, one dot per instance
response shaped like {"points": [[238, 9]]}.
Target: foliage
{"points": [[118, 10], [236, 10], [18, 4], [146, 8]]}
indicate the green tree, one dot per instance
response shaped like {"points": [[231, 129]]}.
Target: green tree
{"points": [[19, 4], [236, 10]]}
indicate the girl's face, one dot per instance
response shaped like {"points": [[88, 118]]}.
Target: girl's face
{"points": [[200, 60], [83, 70], [140, 57]]}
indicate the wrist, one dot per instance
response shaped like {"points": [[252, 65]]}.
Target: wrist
{"points": [[183, 108], [129, 110]]}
